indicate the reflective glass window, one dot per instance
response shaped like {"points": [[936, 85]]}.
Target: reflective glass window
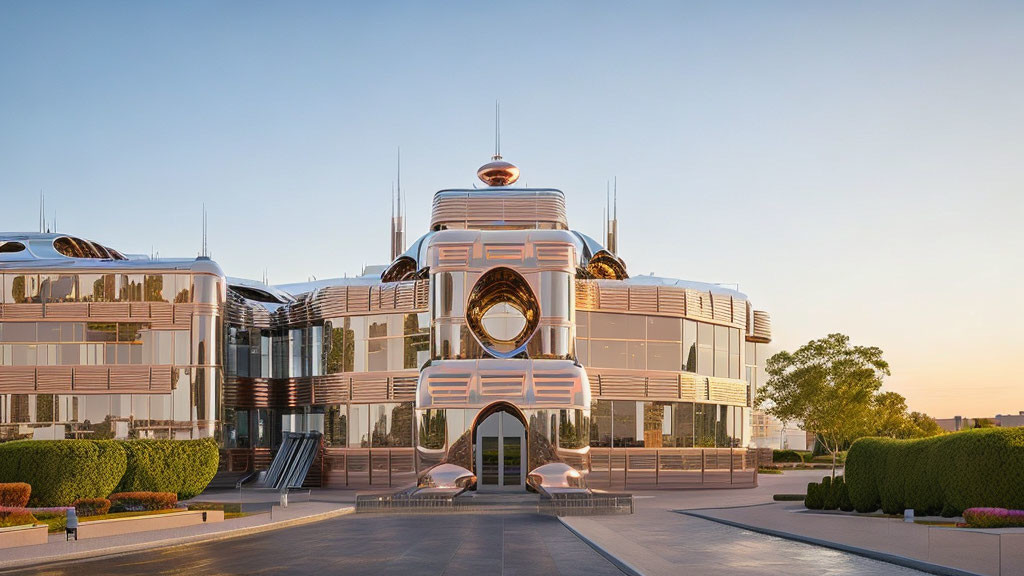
{"points": [[48, 332], [573, 429], [735, 346], [689, 346], [722, 431], [458, 422], [59, 287], [623, 326], [153, 287], [336, 425], [636, 355], [18, 332], [101, 332], [721, 351], [664, 356], [705, 349], [70, 354], [705, 425], [666, 329], [601, 424], [358, 426], [392, 424], [608, 353], [130, 289], [21, 288], [432, 429], [583, 351], [682, 426], [625, 423]]}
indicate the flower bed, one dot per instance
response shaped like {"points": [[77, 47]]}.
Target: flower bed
{"points": [[16, 517], [994, 518]]}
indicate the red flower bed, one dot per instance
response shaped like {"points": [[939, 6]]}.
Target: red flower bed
{"points": [[994, 518], [142, 501], [15, 517], [92, 506], [15, 494]]}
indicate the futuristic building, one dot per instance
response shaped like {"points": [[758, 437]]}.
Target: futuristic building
{"points": [[499, 341]]}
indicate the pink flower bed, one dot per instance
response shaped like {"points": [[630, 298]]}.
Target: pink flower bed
{"points": [[994, 518]]}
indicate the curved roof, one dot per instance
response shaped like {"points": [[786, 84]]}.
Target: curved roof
{"points": [[48, 250]]}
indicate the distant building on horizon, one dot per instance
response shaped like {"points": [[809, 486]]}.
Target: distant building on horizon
{"points": [[957, 423]]}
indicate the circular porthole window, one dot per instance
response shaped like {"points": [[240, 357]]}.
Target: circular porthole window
{"points": [[502, 312], [503, 322]]}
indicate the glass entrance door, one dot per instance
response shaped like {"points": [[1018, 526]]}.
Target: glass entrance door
{"points": [[500, 451]]}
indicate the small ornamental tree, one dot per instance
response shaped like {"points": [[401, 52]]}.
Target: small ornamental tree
{"points": [[827, 385]]}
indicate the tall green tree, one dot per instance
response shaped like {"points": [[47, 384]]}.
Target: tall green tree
{"points": [[892, 420], [925, 425], [890, 416], [828, 385]]}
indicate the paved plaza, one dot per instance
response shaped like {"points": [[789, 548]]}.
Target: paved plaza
{"points": [[655, 540]]}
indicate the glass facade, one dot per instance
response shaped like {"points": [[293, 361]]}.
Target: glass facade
{"points": [[639, 342], [645, 424]]}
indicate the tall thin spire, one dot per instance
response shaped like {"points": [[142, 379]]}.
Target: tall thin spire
{"points": [[397, 213], [497, 130], [612, 216], [204, 253], [42, 212]]}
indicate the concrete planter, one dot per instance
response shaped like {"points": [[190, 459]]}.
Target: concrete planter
{"points": [[23, 535], [117, 526]]}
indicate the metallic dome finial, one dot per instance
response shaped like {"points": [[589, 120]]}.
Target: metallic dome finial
{"points": [[497, 172]]}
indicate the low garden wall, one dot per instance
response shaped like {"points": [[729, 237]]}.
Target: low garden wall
{"points": [[28, 535], [117, 526]]}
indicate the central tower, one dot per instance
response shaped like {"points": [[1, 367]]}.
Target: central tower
{"points": [[503, 371]]}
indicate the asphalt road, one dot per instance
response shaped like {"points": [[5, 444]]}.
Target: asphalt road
{"points": [[452, 544]]}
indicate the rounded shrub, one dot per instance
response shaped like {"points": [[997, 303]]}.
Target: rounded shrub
{"points": [[91, 506], [786, 456], [815, 499], [828, 501], [183, 467], [842, 494], [62, 471], [14, 494]]}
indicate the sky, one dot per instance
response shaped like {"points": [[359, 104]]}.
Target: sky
{"points": [[854, 167]]}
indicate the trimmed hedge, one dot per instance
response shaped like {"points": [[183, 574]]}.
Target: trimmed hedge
{"points": [[815, 499], [142, 501], [62, 471], [785, 456], [939, 475], [828, 494], [184, 467], [14, 494], [92, 506]]}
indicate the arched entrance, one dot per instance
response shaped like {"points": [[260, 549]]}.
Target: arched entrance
{"points": [[500, 442]]}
